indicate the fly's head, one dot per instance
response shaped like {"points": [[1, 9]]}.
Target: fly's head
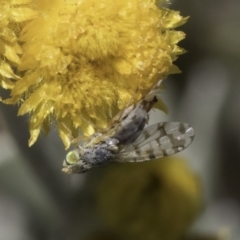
{"points": [[73, 163]]}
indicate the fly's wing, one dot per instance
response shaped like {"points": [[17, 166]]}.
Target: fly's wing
{"points": [[129, 123], [122, 115], [156, 141], [125, 112]]}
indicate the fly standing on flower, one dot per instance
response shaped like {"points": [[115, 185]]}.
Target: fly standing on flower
{"points": [[126, 139]]}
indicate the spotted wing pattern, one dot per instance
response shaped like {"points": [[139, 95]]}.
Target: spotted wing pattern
{"points": [[156, 141], [129, 123]]}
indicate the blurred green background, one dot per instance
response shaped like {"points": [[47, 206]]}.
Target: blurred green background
{"points": [[194, 197]]}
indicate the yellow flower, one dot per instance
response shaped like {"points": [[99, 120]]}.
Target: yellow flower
{"points": [[83, 61], [11, 14], [151, 200]]}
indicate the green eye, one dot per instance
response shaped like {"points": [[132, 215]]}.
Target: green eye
{"points": [[72, 158]]}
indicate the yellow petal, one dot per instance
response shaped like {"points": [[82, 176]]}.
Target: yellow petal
{"points": [[7, 34], [174, 69], [13, 2], [11, 54], [172, 19], [34, 133], [26, 82], [22, 14], [6, 71], [161, 105]]}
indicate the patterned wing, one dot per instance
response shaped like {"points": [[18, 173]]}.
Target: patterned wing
{"points": [[129, 123], [122, 115], [156, 141]]}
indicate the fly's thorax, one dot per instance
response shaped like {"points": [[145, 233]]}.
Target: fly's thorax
{"points": [[101, 153]]}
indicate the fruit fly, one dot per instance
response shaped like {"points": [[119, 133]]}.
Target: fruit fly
{"points": [[127, 139]]}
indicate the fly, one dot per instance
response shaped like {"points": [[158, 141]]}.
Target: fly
{"points": [[127, 139]]}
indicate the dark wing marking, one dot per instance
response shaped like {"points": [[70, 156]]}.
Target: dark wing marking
{"points": [[158, 140]]}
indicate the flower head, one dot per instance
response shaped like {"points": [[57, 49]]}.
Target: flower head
{"points": [[82, 61]]}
